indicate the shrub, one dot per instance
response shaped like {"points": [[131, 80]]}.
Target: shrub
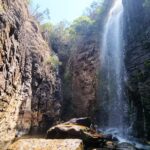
{"points": [[47, 27], [36, 13], [95, 9], [29, 2], [82, 23], [53, 60]]}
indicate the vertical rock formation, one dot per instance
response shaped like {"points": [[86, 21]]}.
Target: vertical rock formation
{"points": [[137, 39], [29, 86], [85, 68], [84, 78]]}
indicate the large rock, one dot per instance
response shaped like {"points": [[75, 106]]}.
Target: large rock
{"points": [[69, 130], [42, 144], [82, 128]]}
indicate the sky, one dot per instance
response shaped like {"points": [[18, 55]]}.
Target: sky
{"points": [[63, 9]]}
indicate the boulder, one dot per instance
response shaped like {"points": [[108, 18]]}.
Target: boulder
{"points": [[73, 131], [81, 128], [43, 144]]}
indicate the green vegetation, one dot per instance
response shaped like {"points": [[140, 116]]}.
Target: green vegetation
{"points": [[95, 9], [81, 25], [35, 12], [147, 64], [64, 38], [53, 60], [48, 26], [29, 2]]}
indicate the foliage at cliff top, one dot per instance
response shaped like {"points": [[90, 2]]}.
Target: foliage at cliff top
{"points": [[63, 36], [81, 25], [36, 13], [48, 26], [29, 2]]}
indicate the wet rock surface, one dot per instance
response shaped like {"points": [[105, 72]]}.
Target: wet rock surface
{"points": [[126, 146], [137, 59]]}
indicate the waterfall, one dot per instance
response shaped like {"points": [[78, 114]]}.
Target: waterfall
{"points": [[112, 103]]}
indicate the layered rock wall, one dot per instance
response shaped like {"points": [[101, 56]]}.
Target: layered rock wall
{"points": [[137, 53], [85, 68], [29, 86], [84, 78]]}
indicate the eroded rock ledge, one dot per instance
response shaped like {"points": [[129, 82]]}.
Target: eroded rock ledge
{"points": [[43, 144]]}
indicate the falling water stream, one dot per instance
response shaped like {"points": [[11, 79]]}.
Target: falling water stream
{"points": [[112, 68], [113, 104]]}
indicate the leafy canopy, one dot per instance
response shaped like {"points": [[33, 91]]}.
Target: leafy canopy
{"points": [[81, 25], [48, 26]]}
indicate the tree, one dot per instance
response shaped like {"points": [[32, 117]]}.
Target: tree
{"points": [[29, 2], [39, 15], [48, 26], [95, 9], [81, 25]]}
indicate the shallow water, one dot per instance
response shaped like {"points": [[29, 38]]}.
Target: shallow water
{"points": [[125, 139]]}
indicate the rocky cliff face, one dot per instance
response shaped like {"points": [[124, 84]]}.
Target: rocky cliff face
{"points": [[84, 78], [84, 70], [29, 86], [137, 47]]}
